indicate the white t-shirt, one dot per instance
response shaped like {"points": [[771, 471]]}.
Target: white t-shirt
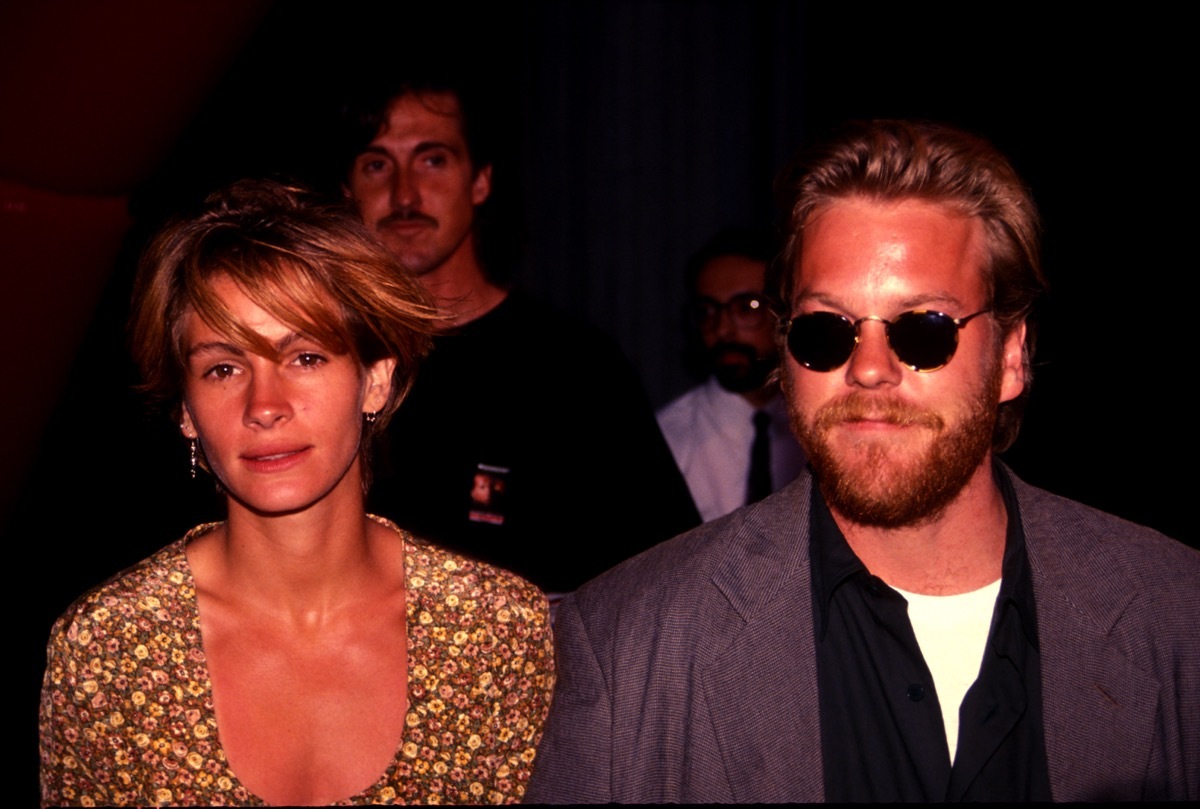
{"points": [[952, 632]]}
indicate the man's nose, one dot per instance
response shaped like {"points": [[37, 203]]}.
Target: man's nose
{"points": [[406, 194], [725, 325], [873, 364]]}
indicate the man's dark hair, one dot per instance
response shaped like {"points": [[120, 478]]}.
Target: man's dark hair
{"points": [[366, 111], [498, 231], [757, 243], [890, 161]]}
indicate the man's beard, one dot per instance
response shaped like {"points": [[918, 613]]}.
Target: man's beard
{"points": [[740, 377], [877, 489]]}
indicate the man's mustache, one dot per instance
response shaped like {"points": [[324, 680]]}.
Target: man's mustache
{"points": [[857, 407], [741, 349], [402, 216]]}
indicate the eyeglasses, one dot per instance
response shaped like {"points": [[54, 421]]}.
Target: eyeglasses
{"points": [[748, 311], [921, 339]]}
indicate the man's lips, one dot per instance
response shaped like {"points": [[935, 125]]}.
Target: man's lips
{"points": [[730, 358], [871, 425], [731, 353], [406, 220], [856, 413]]}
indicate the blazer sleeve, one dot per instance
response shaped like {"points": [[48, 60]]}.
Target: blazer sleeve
{"points": [[574, 759]]}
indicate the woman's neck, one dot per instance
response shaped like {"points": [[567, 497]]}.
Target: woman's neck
{"points": [[303, 568]]}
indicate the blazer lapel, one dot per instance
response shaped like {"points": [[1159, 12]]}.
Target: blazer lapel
{"points": [[1098, 708], [1099, 711], [762, 691]]}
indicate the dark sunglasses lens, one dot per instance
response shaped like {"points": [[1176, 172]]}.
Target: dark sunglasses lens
{"points": [[821, 341], [924, 341]]}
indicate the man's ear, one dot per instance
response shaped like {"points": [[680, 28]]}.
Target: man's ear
{"points": [[377, 384], [1012, 363], [481, 186]]}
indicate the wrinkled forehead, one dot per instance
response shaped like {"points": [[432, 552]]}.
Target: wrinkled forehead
{"points": [[909, 251], [424, 112], [722, 277], [438, 102]]}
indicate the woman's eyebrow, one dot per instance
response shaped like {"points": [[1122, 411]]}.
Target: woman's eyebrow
{"points": [[215, 346], [282, 344], [221, 346]]}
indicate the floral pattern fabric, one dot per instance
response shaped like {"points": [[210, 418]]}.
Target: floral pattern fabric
{"points": [[127, 711]]}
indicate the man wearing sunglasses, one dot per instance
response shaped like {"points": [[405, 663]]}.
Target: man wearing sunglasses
{"points": [[911, 622], [730, 435]]}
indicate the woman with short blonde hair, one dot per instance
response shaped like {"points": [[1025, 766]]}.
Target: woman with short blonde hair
{"points": [[301, 651]]}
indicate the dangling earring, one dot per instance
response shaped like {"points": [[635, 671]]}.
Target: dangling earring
{"points": [[370, 417], [192, 452]]}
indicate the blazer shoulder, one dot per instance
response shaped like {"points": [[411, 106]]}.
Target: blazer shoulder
{"points": [[1130, 580], [739, 561], [1117, 606], [1079, 539]]}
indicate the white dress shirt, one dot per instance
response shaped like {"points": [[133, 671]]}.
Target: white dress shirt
{"points": [[710, 431]]}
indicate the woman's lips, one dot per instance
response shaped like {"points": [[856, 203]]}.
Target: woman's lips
{"points": [[274, 459]]}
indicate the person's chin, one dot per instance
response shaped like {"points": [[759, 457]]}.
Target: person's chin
{"points": [[736, 380], [743, 377]]}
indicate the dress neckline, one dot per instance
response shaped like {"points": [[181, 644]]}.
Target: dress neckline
{"points": [[386, 777]]}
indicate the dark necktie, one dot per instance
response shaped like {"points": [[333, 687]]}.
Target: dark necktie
{"points": [[759, 485]]}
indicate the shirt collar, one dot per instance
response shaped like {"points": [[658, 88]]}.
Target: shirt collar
{"points": [[834, 563], [1016, 579]]}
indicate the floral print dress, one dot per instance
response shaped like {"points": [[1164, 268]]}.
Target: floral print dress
{"points": [[127, 711]]}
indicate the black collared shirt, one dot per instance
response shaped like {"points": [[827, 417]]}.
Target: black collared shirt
{"points": [[882, 736]]}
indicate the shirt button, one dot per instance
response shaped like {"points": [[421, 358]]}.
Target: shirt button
{"points": [[916, 692]]}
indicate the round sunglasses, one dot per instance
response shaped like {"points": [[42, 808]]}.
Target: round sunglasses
{"points": [[922, 339]]}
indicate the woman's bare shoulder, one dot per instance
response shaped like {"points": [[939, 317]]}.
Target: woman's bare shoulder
{"points": [[153, 589]]}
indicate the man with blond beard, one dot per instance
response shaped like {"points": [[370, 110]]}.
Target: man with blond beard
{"points": [[911, 621]]}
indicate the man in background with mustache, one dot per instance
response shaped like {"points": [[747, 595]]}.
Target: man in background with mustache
{"points": [[910, 622], [730, 435], [527, 440]]}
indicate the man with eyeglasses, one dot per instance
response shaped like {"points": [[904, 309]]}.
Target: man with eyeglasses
{"points": [[911, 622], [730, 435]]}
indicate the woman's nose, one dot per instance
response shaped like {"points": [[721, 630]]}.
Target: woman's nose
{"points": [[266, 401]]}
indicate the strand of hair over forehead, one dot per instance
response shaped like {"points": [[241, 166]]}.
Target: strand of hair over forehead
{"points": [[892, 160], [889, 160], [250, 227], [264, 272]]}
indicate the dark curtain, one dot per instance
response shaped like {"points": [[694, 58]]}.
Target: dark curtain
{"points": [[636, 130]]}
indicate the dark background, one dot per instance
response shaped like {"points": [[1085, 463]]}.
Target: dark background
{"points": [[632, 132]]}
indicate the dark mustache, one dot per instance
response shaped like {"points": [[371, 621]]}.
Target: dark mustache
{"points": [[398, 217], [734, 348]]}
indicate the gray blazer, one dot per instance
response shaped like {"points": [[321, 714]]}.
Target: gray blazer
{"points": [[687, 674]]}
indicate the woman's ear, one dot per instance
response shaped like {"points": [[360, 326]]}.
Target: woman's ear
{"points": [[377, 384], [186, 426]]}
